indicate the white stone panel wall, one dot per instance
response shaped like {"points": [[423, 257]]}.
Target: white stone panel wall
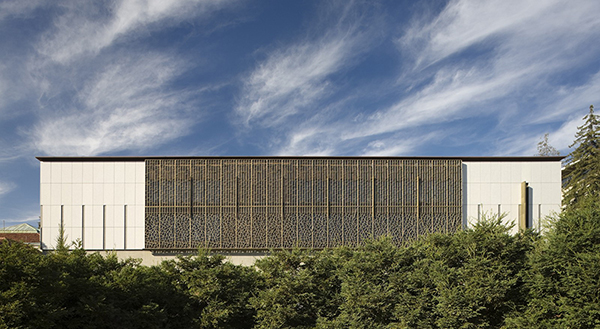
{"points": [[100, 204], [493, 187]]}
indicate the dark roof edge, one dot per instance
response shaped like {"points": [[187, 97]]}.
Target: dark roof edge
{"points": [[465, 158]]}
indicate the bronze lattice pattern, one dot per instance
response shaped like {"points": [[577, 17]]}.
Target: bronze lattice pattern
{"points": [[261, 203]]}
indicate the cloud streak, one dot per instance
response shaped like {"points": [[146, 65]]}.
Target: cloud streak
{"points": [[86, 28], [5, 188], [519, 47], [98, 91], [126, 106], [527, 45], [293, 78], [16, 8]]}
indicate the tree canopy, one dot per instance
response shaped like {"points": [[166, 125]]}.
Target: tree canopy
{"points": [[581, 176], [481, 277]]}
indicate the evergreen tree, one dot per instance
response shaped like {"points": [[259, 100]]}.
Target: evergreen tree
{"points": [[545, 149], [564, 276], [581, 176]]}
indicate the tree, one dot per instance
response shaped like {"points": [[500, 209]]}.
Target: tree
{"points": [[218, 291], [469, 279], [300, 289], [545, 149], [564, 276], [581, 176], [18, 270]]}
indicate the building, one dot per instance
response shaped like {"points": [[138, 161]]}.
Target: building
{"points": [[151, 207], [21, 232]]}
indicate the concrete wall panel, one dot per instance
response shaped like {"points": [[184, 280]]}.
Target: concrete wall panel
{"points": [[45, 172], [93, 185], [490, 184]]}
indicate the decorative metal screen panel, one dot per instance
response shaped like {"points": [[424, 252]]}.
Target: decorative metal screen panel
{"points": [[262, 203]]}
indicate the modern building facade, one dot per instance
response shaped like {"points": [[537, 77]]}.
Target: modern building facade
{"points": [[251, 204]]}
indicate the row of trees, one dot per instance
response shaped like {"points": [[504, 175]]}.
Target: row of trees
{"points": [[482, 277]]}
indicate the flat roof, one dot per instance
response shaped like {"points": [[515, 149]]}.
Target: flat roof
{"points": [[143, 158]]}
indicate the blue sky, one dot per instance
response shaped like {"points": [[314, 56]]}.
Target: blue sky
{"points": [[229, 77]]}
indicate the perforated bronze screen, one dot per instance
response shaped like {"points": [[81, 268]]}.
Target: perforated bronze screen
{"points": [[249, 204]]}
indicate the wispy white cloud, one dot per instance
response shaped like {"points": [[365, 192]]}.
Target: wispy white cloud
{"points": [[6, 187], [86, 28], [561, 137], [565, 135], [451, 96], [570, 100], [397, 144], [292, 78], [515, 51], [463, 24], [96, 94], [18, 8], [24, 216], [127, 106], [307, 140], [527, 42]]}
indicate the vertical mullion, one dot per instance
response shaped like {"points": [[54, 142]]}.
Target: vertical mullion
{"points": [[343, 188], [205, 179], [221, 203], [282, 200], [251, 204], [312, 203], [62, 224], [373, 199], [267, 212], [103, 226], [175, 201], [403, 189], [83, 226], [388, 197], [328, 205], [191, 200], [297, 203], [124, 227], [447, 202], [357, 201], [159, 168], [237, 205]]}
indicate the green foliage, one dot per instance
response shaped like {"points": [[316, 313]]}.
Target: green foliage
{"points": [[73, 289], [545, 149], [367, 290], [564, 279], [581, 175], [470, 279], [219, 290], [482, 277], [477, 274], [300, 289], [18, 268]]}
